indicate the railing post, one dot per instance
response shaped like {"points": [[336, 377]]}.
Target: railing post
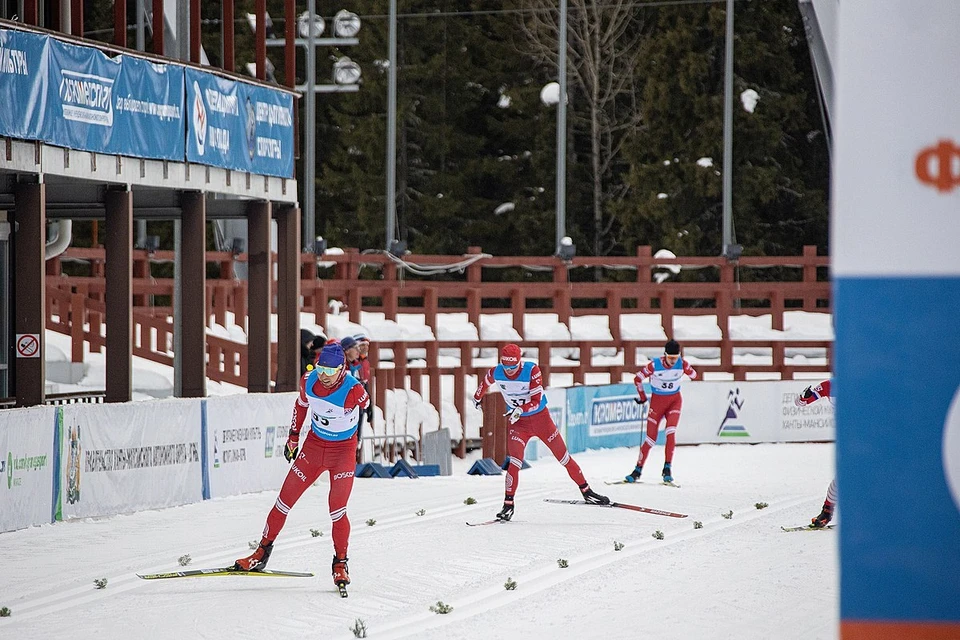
{"points": [[517, 307], [543, 360], [613, 313], [459, 393], [666, 311], [433, 369], [473, 306], [76, 326], [809, 275], [430, 304]]}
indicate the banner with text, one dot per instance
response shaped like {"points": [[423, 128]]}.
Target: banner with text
{"points": [[245, 437], [23, 83], [239, 126], [26, 467], [121, 458], [604, 417]]}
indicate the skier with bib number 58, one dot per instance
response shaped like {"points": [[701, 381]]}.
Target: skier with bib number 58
{"points": [[333, 399], [521, 385], [664, 374]]}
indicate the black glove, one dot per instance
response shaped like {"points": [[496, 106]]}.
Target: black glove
{"points": [[293, 446], [641, 400]]}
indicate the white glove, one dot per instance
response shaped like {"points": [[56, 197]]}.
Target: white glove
{"points": [[515, 415]]}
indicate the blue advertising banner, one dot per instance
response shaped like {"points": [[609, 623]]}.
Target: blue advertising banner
{"points": [[604, 417], [122, 105], [23, 83], [238, 126]]}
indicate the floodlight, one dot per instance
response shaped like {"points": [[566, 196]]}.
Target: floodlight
{"points": [[303, 25], [346, 71], [346, 24]]}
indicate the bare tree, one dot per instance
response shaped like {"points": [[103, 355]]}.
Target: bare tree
{"points": [[603, 44]]}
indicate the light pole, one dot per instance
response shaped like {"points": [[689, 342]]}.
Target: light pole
{"points": [[391, 204], [729, 250], [561, 202], [346, 78]]}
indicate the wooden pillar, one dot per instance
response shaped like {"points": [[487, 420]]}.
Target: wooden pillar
{"points": [[613, 313], [120, 23], [430, 304], [76, 23], [190, 380], [288, 298], [260, 44], [195, 31], [29, 239], [226, 12], [157, 25], [258, 295], [30, 13], [119, 294]]}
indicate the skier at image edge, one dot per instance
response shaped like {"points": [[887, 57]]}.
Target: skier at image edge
{"points": [[810, 395], [521, 385], [667, 402], [333, 399]]}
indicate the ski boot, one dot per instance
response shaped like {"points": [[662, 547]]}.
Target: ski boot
{"points": [[592, 497], [256, 561], [667, 475], [634, 475], [507, 512], [822, 520], [341, 577]]}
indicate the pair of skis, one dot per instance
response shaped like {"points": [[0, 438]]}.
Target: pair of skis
{"points": [[614, 505], [664, 483], [230, 571]]}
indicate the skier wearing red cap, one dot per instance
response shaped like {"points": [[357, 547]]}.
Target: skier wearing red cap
{"points": [[807, 397], [521, 384], [333, 399]]}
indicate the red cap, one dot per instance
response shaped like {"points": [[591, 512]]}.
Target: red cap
{"points": [[510, 356]]}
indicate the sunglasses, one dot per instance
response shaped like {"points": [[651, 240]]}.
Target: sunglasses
{"points": [[329, 371]]}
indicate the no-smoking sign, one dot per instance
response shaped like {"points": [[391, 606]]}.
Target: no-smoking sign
{"points": [[28, 345]]}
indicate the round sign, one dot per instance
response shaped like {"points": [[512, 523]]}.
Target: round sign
{"points": [[28, 346]]}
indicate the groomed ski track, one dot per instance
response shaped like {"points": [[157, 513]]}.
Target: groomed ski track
{"points": [[740, 574]]}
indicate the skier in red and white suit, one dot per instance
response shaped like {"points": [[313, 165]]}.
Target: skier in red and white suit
{"points": [[664, 374], [521, 385], [333, 399], [810, 395]]}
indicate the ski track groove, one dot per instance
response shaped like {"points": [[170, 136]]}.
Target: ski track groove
{"points": [[540, 579], [60, 599]]}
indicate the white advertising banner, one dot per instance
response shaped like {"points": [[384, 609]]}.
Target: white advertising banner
{"points": [[245, 437], [120, 458], [759, 411], [26, 467]]}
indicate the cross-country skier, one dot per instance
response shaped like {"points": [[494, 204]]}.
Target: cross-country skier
{"points": [[664, 375], [521, 384], [333, 399], [810, 395]]}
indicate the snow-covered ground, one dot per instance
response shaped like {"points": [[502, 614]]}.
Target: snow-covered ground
{"points": [[739, 578]]}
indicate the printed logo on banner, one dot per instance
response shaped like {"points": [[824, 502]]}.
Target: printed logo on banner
{"points": [[268, 438], [251, 129], [199, 119], [618, 414], [730, 426], [86, 98], [16, 467], [216, 450], [951, 449], [939, 166], [73, 466]]}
